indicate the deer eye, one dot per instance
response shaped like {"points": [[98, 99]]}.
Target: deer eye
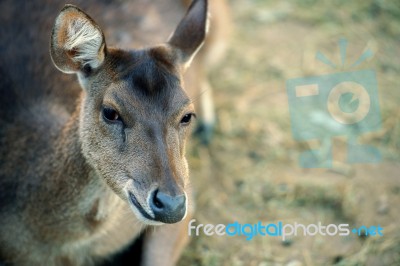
{"points": [[186, 119], [109, 114]]}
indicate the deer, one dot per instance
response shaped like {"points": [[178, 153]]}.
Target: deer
{"points": [[88, 166]]}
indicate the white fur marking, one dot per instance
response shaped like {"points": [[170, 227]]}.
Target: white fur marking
{"points": [[86, 39], [186, 206], [208, 22], [189, 60]]}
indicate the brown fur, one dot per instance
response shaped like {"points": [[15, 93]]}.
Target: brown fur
{"points": [[63, 171]]}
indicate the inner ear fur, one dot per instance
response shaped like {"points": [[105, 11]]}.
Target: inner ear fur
{"points": [[77, 42]]}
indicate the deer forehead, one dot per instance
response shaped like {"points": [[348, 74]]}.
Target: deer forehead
{"points": [[144, 82]]}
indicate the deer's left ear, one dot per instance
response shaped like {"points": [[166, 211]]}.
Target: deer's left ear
{"points": [[189, 36], [77, 42]]}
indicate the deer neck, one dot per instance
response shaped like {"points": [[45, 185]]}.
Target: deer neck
{"points": [[74, 192]]}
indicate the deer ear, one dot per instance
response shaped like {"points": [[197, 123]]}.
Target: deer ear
{"points": [[77, 42], [189, 36]]}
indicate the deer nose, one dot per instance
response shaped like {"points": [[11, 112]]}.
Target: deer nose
{"points": [[166, 208]]}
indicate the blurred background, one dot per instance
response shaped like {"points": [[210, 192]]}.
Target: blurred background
{"points": [[250, 171]]}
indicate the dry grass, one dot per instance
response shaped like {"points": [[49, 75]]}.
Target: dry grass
{"points": [[250, 173]]}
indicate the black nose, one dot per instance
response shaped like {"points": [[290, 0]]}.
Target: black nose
{"points": [[166, 208]]}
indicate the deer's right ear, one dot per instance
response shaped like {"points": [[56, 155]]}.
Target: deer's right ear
{"points": [[77, 42], [189, 36]]}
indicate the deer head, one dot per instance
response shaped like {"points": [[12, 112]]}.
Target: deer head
{"points": [[135, 116]]}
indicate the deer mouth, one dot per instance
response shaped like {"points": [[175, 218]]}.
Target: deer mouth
{"points": [[164, 209], [133, 200]]}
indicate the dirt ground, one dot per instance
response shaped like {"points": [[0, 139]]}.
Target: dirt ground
{"points": [[250, 171]]}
